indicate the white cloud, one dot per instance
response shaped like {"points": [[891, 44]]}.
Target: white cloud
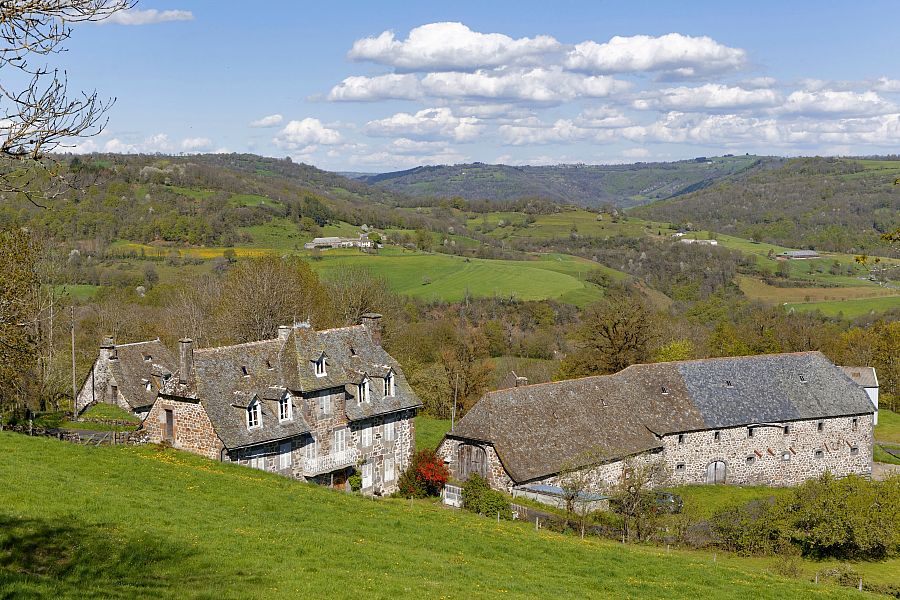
{"points": [[148, 17], [408, 146], [267, 121], [196, 144], [530, 132], [539, 85], [450, 46], [635, 153], [759, 82], [427, 124], [830, 102], [887, 85], [303, 136], [602, 117], [391, 86], [711, 96], [674, 53]]}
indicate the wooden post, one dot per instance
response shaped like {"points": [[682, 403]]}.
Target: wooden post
{"points": [[453, 410], [74, 384]]}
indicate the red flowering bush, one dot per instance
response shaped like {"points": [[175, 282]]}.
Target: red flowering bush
{"points": [[425, 476]]}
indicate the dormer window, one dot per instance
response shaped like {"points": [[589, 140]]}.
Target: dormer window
{"points": [[802, 378], [389, 387], [285, 409], [269, 365], [254, 415], [728, 383], [320, 366], [363, 391], [147, 358], [244, 371], [664, 390]]}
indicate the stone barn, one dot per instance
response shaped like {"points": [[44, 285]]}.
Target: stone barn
{"points": [[313, 405], [127, 375], [774, 420]]}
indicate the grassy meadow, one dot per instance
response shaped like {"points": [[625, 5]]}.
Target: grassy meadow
{"points": [[153, 523]]}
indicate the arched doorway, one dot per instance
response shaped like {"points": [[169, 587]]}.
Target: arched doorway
{"points": [[716, 472], [471, 459]]}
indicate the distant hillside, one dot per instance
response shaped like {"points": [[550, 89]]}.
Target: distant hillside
{"points": [[588, 185], [822, 203]]}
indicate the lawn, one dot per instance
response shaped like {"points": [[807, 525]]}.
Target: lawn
{"points": [[850, 308], [153, 523], [430, 431], [452, 278], [704, 500], [102, 410], [888, 428]]}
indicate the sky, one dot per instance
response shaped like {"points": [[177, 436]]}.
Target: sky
{"points": [[383, 86]]}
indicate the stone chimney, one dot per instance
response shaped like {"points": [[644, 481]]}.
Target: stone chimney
{"points": [[108, 348], [521, 381], [186, 360], [372, 323], [284, 332]]}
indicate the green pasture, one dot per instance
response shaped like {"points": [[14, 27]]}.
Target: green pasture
{"points": [[888, 428], [430, 431], [145, 522], [850, 309]]}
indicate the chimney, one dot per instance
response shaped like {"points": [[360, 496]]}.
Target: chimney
{"points": [[372, 323], [186, 360], [284, 332], [108, 348], [521, 381]]}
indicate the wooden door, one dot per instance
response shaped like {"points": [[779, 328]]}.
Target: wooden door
{"points": [[716, 472], [471, 459]]}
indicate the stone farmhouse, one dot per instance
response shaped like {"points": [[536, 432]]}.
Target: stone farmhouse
{"points": [[362, 241], [313, 405], [773, 419], [127, 375]]}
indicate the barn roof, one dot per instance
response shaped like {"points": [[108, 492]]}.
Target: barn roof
{"points": [[863, 376], [538, 430]]}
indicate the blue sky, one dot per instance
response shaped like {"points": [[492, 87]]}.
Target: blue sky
{"points": [[381, 86]]}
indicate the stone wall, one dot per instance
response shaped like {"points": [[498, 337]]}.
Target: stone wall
{"points": [[771, 457], [98, 385], [192, 429], [496, 474], [401, 449]]}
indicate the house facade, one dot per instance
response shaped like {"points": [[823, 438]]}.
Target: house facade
{"points": [[765, 420], [362, 241], [126, 375], [313, 405]]}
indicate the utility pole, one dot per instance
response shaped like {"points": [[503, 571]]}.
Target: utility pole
{"points": [[453, 410], [74, 385]]}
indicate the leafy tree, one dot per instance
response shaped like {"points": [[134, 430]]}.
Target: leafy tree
{"points": [[424, 240], [357, 291], [675, 350], [425, 476], [19, 308], [615, 333]]}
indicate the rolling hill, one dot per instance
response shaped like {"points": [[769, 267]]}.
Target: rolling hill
{"points": [[587, 185]]}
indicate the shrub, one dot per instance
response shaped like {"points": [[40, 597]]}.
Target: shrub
{"points": [[355, 482], [478, 497], [425, 476]]}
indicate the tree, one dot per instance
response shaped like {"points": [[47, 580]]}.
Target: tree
{"points": [[633, 499], [260, 294], [39, 113], [357, 291], [424, 241], [615, 333], [467, 368]]}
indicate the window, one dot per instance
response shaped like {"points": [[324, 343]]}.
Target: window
{"points": [[169, 433], [854, 450], [749, 432], [821, 426], [819, 454], [253, 415], [284, 456], [285, 409], [269, 365], [114, 392], [340, 440], [390, 433], [147, 358], [728, 383], [388, 469], [717, 435], [320, 366], [750, 460], [680, 439], [244, 371], [149, 386], [363, 391], [326, 404], [785, 456], [787, 430], [389, 389], [664, 390], [679, 467], [310, 450], [802, 378], [258, 461], [854, 424], [366, 436]]}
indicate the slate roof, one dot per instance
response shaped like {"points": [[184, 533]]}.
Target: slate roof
{"points": [[864, 376], [539, 429], [138, 364], [227, 379]]}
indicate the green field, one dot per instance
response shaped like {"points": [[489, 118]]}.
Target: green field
{"points": [[565, 223], [126, 522], [430, 431], [888, 428], [452, 278], [850, 308]]}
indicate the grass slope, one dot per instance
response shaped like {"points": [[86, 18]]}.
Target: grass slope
{"points": [[143, 522], [888, 428]]}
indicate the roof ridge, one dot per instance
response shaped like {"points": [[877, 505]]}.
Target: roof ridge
{"points": [[136, 343]]}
